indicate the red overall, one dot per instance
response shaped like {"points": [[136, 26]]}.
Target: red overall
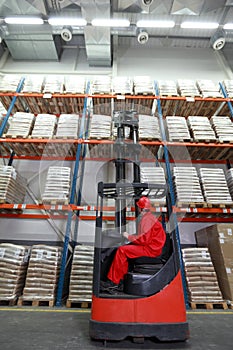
{"points": [[149, 242]]}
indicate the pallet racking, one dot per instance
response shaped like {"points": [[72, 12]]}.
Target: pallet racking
{"points": [[198, 152]]}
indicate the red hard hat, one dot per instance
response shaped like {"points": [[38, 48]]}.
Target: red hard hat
{"points": [[144, 203]]}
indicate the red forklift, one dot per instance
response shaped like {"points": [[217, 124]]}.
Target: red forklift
{"points": [[151, 304]]}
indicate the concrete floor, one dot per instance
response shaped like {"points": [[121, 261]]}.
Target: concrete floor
{"points": [[59, 329]]}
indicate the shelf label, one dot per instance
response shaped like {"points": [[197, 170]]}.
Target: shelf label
{"points": [[15, 206], [59, 207], [23, 206], [120, 97], [190, 99], [47, 95]]}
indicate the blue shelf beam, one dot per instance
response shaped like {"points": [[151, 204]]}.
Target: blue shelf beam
{"points": [[70, 214], [226, 96]]}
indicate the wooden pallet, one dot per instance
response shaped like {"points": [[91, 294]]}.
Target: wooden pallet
{"points": [[35, 302], [8, 302], [10, 136], [191, 204], [209, 305], [220, 205], [78, 304], [203, 141]]}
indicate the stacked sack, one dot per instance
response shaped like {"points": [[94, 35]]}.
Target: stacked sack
{"points": [[12, 185], [57, 186], [44, 127], [13, 267], [80, 289], [68, 125], [43, 272], [201, 277], [21, 124]]}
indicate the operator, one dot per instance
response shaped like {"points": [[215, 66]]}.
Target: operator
{"points": [[149, 242]]}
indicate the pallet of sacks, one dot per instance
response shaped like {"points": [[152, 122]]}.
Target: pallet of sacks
{"points": [[80, 288], [12, 185], [13, 267], [42, 276], [202, 283], [57, 186]]}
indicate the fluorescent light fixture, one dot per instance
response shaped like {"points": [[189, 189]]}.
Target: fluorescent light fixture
{"points": [[155, 24], [23, 20], [199, 25], [63, 21], [111, 22], [228, 26]]}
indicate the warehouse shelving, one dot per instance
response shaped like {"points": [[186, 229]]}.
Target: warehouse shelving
{"points": [[34, 149]]}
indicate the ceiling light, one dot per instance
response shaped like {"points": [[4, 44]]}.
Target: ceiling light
{"points": [[63, 21], [228, 26], [111, 22], [23, 20], [199, 25], [155, 24]]}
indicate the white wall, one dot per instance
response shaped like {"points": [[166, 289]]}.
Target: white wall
{"points": [[167, 63], [159, 63]]}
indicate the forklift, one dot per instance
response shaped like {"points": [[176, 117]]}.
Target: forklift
{"points": [[151, 304]]}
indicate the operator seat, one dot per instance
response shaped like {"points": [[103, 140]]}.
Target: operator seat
{"points": [[144, 268]]}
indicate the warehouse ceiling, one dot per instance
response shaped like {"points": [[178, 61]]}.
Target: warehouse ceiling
{"points": [[46, 41]]}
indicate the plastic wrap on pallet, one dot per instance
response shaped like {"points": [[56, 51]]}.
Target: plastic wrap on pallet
{"points": [[33, 83], [12, 185], [187, 87], [13, 267], [177, 128], [43, 272], [187, 185], [167, 88], [223, 128], [68, 126], [21, 124], [201, 129], [100, 126], [9, 82], [122, 85], [202, 283], [101, 85], [214, 186], [80, 288], [149, 127], [57, 186], [44, 127], [143, 85], [53, 84], [209, 88], [74, 84]]}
